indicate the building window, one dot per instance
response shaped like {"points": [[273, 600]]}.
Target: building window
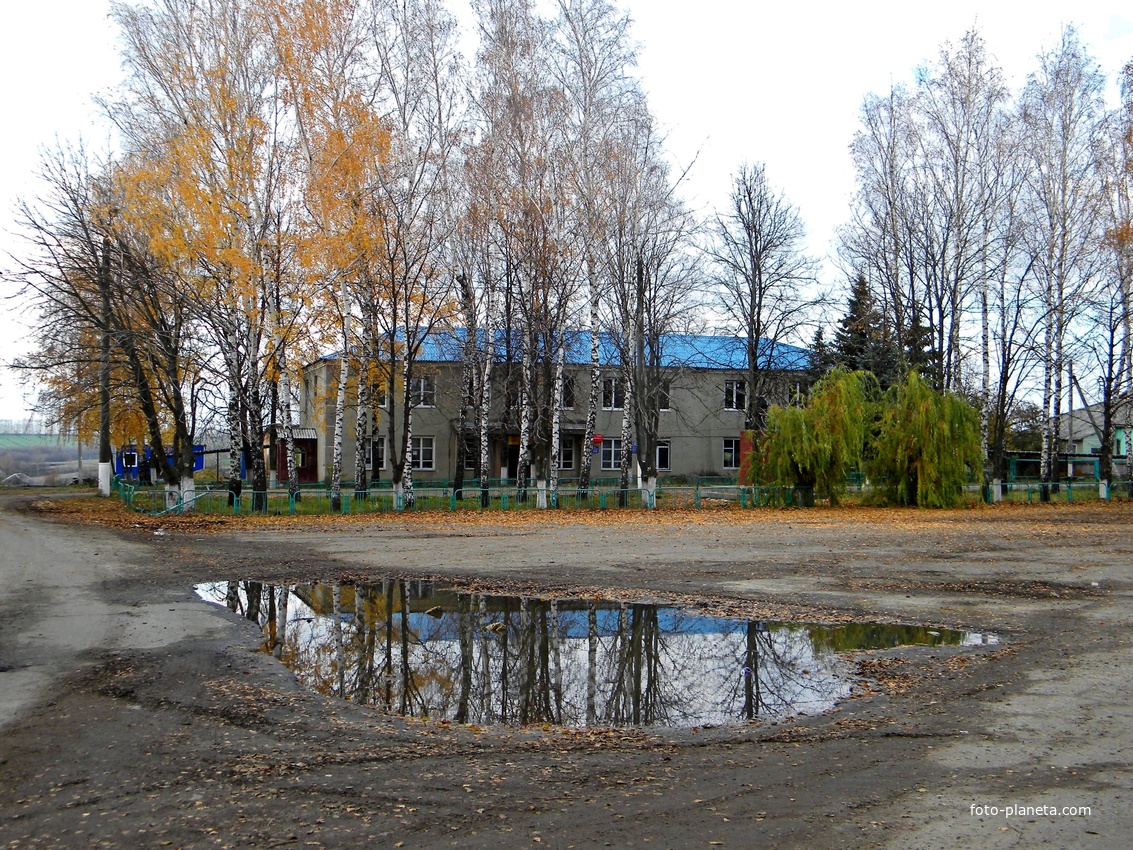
{"points": [[423, 391], [735, 395], [421, 453], [731, 453], [378, 395], [471, 452], [663, 396], [613, 393], [612, 454], [663, 455], [375, 454], [568, 392], [566, 453]]}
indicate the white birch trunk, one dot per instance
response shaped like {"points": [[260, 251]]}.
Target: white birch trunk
{"points": [[557, 422], [339, 428], [485, 666], [485, 409], [522, 474], [406, 489], [340, 405], [339, 641], [288, 429], [361, 434], [281, 620], [591, 664], [627, 430], [1045, 459], [985, 355], [595, 387], [235, 446], [556, 662]]}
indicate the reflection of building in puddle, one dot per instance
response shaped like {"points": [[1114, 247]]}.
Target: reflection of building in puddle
{"points": [[412, 648]]}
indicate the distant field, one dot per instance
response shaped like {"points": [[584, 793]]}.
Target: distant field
{"points": [[35, 441]]}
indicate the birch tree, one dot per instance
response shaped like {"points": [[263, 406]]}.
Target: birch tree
{"points": [[1060, 107], [761, 277], [594, 55], [418, 89]]}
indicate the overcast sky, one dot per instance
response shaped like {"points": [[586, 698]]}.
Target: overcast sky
{"points": [[731, 81]]}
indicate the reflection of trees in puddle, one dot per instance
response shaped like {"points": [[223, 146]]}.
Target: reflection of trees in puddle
{"points": [[413, 649]]}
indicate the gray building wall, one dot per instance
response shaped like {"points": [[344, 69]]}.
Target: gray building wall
{"points": [[695, 425]]}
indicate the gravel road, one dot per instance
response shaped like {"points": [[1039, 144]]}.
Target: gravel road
{"points": [[134, 715]]}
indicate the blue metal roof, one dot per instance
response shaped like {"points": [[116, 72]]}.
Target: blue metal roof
{"points": [[690, 351]]}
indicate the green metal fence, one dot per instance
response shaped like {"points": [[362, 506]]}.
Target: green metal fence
{"points": [[707, 494]]}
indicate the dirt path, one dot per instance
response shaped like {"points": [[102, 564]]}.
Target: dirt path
{"points": [[138, 716]]}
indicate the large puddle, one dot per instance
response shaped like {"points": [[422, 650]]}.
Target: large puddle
{"points": [[420, 649]]}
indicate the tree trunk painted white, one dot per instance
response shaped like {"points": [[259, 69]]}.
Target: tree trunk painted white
{"points": [[650, 494], [541, 493], [106, 474], [188, 493]]}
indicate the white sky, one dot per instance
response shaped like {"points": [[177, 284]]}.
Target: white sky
{"points": [[732, 81]]}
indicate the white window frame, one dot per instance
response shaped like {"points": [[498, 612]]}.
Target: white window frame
{"points": [[734, 451], [568, 380], [612, 453], [667, 446], [735, 395], [423, 391], [470, 452], [381, 440], [566, 453], [420, 450], [617, 390], [379, 396]]}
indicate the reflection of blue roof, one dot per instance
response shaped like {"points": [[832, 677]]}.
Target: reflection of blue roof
{"points": [[696, 351]]}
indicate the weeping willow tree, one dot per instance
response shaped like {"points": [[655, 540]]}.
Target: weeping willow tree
{"points": [[818, 445], [927, 444]]}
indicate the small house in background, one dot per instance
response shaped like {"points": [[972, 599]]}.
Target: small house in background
{"points": [[306, 455], [1080, 431], [130, 464]]}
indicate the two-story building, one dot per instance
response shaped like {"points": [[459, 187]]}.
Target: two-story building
{"points": [[703, 401]]}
